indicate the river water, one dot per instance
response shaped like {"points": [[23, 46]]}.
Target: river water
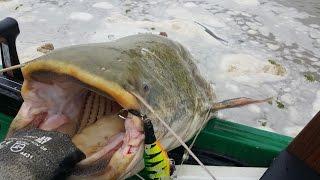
{"points": [[312, 7], [269, 48]]}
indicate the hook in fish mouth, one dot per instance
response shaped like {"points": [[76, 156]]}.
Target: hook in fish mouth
{"points": [[56, 102]]}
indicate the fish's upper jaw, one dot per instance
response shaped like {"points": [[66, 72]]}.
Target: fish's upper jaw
{"points": [[62, 103]]}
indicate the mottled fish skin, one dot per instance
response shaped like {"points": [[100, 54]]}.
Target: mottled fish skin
{"points": [[155, 67]]}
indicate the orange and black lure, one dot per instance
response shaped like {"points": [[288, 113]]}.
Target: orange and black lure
{"points": [[156, 160]]}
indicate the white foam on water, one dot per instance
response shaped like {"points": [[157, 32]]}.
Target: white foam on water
{"points": [[293, 130], [9, 4], [314, 34], [245, 68], [316, 63], [314, 26], [201, 17], [288, 99], [299, 55], [232, 87], [246, 14], [27, 18], [254, 108], [264, 30], [273, 46], [252, 32], [81, 16], [287, 89], [190, 4], [265, 128], [247, 2], [316, 103], [314, 59], [103, 5]]}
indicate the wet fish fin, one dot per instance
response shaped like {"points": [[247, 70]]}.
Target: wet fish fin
{"points": [[236, 102]]}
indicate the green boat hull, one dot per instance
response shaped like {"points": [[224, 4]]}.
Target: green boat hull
{"points": [[253, 147]]}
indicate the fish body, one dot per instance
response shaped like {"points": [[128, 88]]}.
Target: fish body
{"points": [[58, 90]]}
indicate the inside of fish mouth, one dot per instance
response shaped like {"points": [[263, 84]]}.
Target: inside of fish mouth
{"points": [[56, 102]]}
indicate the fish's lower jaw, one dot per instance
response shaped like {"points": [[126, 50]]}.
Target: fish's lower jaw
{"points": [[111, 144], [116, 168], [122, 146], [120, 166]]}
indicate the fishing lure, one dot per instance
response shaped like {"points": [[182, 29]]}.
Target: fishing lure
{"points": [[156, 160], [157, 163]]}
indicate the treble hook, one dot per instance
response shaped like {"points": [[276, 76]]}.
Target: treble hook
{"points": [[123, 114]]}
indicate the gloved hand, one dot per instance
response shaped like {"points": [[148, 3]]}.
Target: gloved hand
{"points": [[37, 154]]}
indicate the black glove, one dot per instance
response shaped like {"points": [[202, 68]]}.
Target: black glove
{"points": [[37, 154]]}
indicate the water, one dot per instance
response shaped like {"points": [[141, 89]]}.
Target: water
{"points": [[272, 49], [312, 7]]}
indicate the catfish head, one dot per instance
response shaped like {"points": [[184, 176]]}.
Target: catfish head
{"points": [[79, 90]]}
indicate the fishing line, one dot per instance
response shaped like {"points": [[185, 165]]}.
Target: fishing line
{"points": [[194, 139], [173, 133], [140, 177]]}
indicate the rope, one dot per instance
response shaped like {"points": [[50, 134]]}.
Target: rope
{"points": [[174, 134]]}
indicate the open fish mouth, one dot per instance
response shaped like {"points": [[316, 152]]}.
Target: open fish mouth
{"points": [[60, 102]]}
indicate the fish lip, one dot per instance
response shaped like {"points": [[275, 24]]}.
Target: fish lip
{"points": [[122, 96]]}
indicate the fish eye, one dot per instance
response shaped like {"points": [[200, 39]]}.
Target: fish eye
{"points": [[146, 87]]}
